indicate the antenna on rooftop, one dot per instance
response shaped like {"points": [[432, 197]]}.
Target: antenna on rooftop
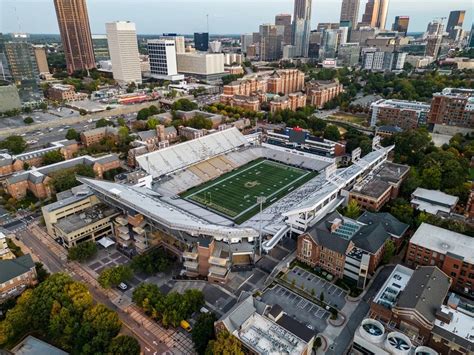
{"points": [[17, 19], [207, 20]]}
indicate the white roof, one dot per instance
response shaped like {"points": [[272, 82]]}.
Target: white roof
{"points": [[435, 196], [461, 323], [106, 242], [180, 156], [444, 241]]}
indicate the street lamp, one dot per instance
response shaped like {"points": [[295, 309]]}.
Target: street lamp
{"points": [[261, 200]]}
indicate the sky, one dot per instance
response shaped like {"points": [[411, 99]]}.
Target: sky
{"points": [[225, 16]]}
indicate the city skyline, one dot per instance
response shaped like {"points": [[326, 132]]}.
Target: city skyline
{"points": [[22, 16]]}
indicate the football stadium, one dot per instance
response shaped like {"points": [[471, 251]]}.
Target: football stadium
{"points": [[230, 196]]}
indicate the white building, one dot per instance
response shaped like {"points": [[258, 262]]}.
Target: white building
{"points": [[206, 66], [245, 41], [178, 40], [123, 48], [215, 46], [231, 58], [162, 57], [289, 51]]}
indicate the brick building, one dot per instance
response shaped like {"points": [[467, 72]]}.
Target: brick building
{"points": [[403, 114], [16, 275], [376, 190], [321, 91], [288, 102], [453, 107], [450, 251], [285, 81], [62, 92], [251, 103], [94, 136]]}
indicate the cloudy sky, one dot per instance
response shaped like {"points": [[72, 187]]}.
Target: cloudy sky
{"points": [[225, 16]]}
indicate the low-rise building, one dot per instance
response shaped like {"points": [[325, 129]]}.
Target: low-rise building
{"points": [[433, 201], [34, 346], [251, 103], [450, 251], [264, 329], [321, 91], [5, 252], [160, 134], [404, 114], [94, 136], [63, 92], [288, 102], [349, 248], [15, 276], [38, 181], [375, 190]]}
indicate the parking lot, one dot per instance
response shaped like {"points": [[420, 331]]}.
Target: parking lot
{"points": [[106, 259], [333, 294], [297, 307]]}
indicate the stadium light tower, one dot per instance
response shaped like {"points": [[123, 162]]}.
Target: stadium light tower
{"points": [[261, 200]]}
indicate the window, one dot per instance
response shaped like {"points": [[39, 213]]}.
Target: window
{"points": [[453, 274], [306, 249], [456, 266]]}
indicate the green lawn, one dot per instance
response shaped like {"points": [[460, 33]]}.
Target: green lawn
{"points": [[234, 194]]}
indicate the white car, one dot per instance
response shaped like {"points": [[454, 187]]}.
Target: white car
{"points": [[122, 286]]}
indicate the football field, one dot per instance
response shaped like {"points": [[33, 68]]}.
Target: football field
{"points": [[234, 194]]}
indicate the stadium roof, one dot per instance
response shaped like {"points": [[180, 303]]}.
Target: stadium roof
{"points": [[149, 204]]}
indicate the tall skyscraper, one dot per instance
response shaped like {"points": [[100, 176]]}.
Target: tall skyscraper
{"points": [[433, 45], [245, 41], [41, 59], [350, 11], [285, 21], [456, 19], [375, 14], [435, 27], [302, 27], [201, 41], [270, 43], [470, 43], [162, 56], [178, 40], [401, 24], [21, 58], [76, 38], [123, 49]]}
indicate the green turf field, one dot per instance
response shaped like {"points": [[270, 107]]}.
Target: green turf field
{"points": [[235, 194]]}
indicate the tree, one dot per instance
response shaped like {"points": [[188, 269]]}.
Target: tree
{"points": [[411, 145], [143, 114], [402, 210], [113, 276], [332, 133], [203, 332], [225, 344], [184, 105], [28, 120], [124, 345], [52, 157], [151, 262], [41, 272], [65, 179], [321, 296], [72, 134], [352, 210], [15, 144], [389, 251], [82, 251], [103, 123], [152, 123], [317, 343], [431, 178]]}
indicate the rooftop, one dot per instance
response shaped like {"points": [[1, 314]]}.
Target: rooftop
{"points": [[460, 327], [86, 217], [444, 241], [433, 201], [395, 284], [11, 268], [34, 346]]}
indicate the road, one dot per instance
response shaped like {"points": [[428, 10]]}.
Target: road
{"points": [[153, 338]]}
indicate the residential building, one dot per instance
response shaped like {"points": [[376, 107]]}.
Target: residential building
{"points": [[456, 19], [433, 202], [101, 48], [301, 141], [163, 63], [251, 103], [38, 180], [373, 192], [178, 40], [401, 24], [270, 43], [9, 98], [362, 34], [205, 66], [433, 45], [375, 14], [64, 93], [419, 61], [233, 59], [453, 107], [346, 247], [16, 275], [348, 55], [244, 86], [289, 52], [94, 136], [21, 60], [215, 46], [265, 329], [285, 81], [73, 21], [41, 60], [245, 41], [450, 251], [350, 11], [404, 114], [435, 27], [320, 92], [285, 21], [375, 59], [291, 102], [34, 346], [159, 134], [410, 301], [123, 49], [201, 41], [301, 27]]}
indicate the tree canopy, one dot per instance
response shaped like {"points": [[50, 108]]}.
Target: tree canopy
{"points": [[113, 276], [203, 332], [225, 344], [184, 105], [151, 262], [14, 144], [124, 345], [65, 179], [82, 251], [52, 157]]}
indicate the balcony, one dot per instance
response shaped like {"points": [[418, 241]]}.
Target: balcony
{"points": [[220, 262], [141, 245], [122, 221], [140, 238], [191, 265], [219, 271], [191, 255], [139, 230]]}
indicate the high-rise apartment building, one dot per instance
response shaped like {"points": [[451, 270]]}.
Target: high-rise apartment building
{"points": [[201, 41], [350, 11], [21, 60], [453, 107], [434, 27], [270, 43], [401, 24], [302, 27], [162, 57], [433, 44], [178, 40], [245, 41], [41, 59], [375, 14], [123, 49], [73, 21], [456, 19], [285, 21]]}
